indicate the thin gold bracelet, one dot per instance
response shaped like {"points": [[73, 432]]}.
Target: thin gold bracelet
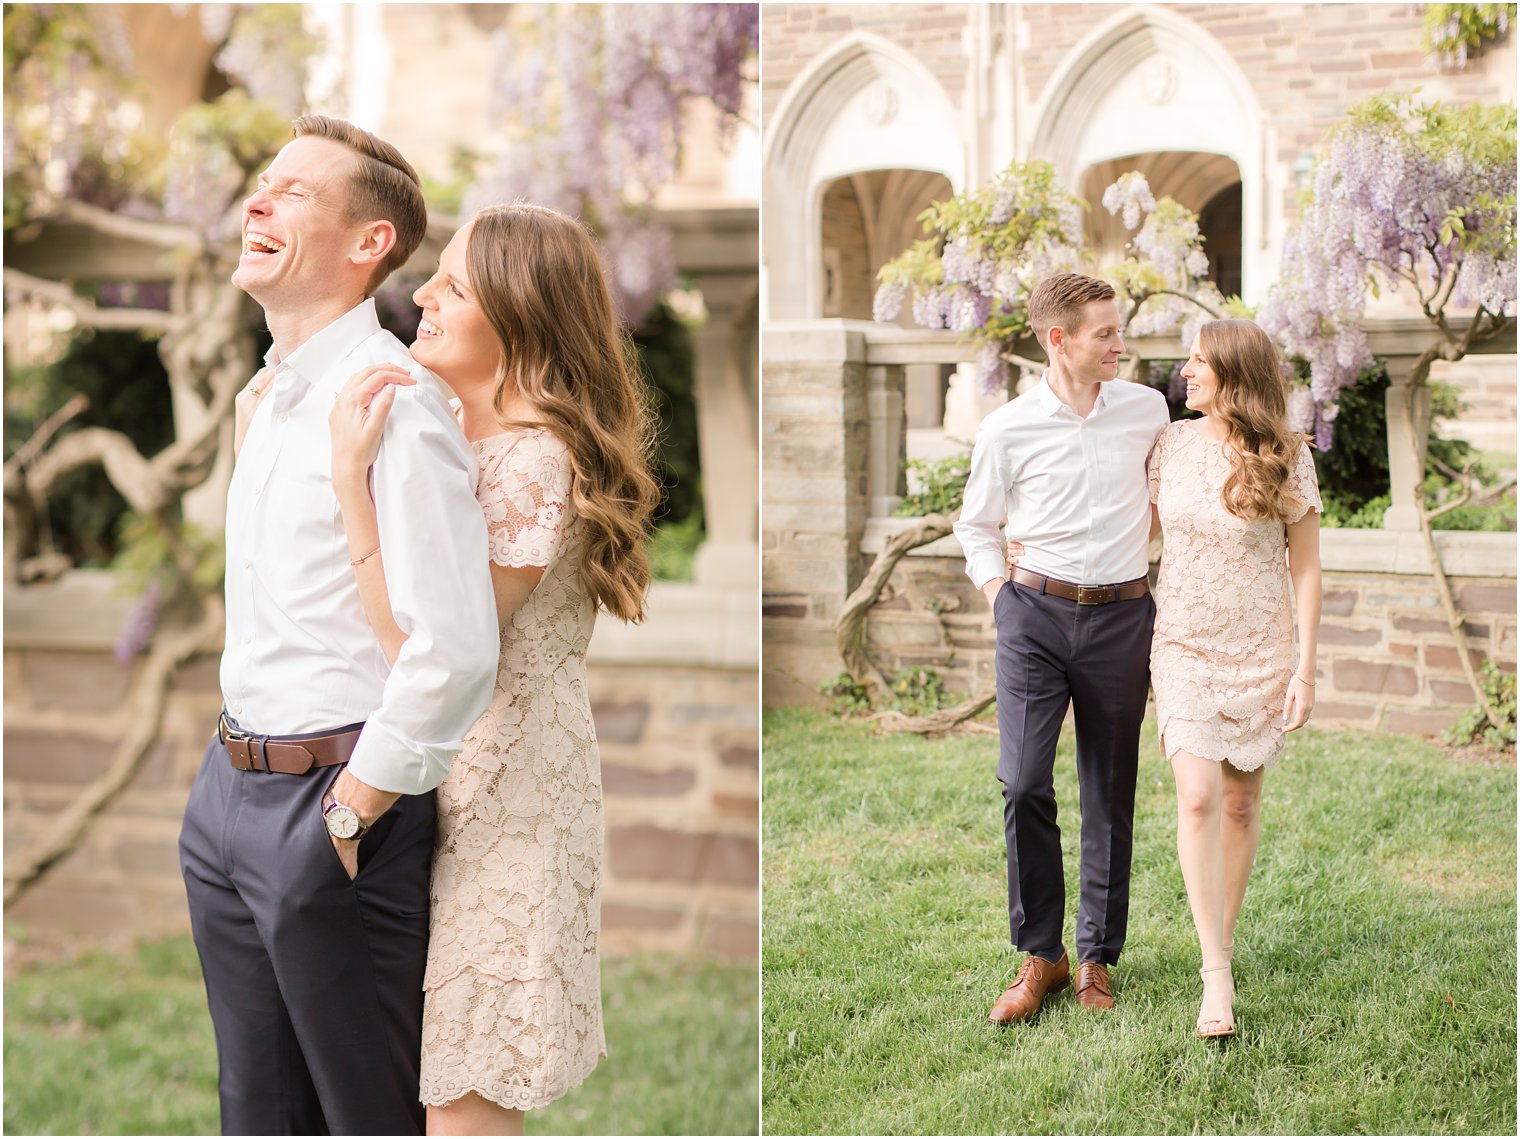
{"points": [[1301, 680], [365, 558]]}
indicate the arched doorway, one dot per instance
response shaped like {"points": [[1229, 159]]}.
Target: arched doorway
{"points": [[862, 118], [1207, 184], [1149, 89], [866, 219]]}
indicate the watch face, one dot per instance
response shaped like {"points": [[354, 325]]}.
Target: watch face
{"points": [[342, 822]]}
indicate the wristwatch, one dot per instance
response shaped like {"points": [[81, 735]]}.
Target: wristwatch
{"points": [[342, 820]]}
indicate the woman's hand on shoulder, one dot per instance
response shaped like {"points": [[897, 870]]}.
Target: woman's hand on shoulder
{"points": [[1013, 550], [357, 420]]}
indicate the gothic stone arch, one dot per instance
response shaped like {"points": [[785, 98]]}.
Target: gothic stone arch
{"points": [[864, 104], [1149, 80]]}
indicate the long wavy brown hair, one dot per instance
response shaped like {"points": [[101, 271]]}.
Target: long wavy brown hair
{"points": [[539, 278], [1252, 403]]}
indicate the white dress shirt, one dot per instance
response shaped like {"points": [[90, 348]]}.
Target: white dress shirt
{"points": [[1073, 490], [300, 656]]}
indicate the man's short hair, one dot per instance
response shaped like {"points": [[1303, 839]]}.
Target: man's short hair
{"points": [[383, 187], [1059, 300]]}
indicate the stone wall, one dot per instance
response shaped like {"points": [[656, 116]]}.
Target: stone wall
{"points": [[793, 34], [675, 707], [1386, 659], [1305, 62]]}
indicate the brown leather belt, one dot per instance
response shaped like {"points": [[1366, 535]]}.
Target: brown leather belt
{"points": [[287, 755], [1083, 594]]}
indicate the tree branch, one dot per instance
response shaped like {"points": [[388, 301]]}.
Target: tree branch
{"points": [[65, 832], [940, 721], [1454, 616], [1187, 297], [85, 310], [850, 628], [168, 235], [139, 480], [29, 450]]}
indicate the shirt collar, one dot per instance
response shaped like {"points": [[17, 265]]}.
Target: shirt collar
{"points": [[1051, 404], [316, 358]]}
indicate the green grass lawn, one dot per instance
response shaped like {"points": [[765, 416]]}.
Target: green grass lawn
{"points": [[122, 1045], [1375, 957]]}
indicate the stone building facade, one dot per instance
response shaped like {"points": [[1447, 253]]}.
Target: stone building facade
{"points": [[874, 112]]}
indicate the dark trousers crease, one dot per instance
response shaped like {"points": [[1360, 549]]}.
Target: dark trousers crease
{"points": [[1053, 654]]}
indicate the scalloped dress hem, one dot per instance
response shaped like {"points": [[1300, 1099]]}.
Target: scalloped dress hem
{"points": [[1210, 750]]}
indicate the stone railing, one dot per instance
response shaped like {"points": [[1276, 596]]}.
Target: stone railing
{"points": [[888, 350]]}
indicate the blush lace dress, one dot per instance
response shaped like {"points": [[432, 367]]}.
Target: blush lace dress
{"points": [[1222, 652], [512, 1005]]}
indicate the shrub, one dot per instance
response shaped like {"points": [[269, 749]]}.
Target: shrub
{"points": [[941, 485], [914, 692], [1499, 690]]}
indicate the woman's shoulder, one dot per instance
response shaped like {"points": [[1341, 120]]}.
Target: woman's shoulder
{"points": [[1172, 433], [526, 452]]}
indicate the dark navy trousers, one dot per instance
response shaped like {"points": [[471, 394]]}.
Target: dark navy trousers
{"points": [[1053, 654], [314, 981]]}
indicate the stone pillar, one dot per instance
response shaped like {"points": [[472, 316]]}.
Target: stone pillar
{"points": [[815, 447], [965, 404], [726, 432], [884, 401], [1408, 407]]}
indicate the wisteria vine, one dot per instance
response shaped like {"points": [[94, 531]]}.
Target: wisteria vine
{"points": [[990, 246], [1407, 196], [591, 103]]}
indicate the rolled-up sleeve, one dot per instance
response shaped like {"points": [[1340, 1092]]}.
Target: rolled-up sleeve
{"points": [[437, 572], [979, 528]]}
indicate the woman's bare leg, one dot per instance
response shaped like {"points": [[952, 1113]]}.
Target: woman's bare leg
{"points": [[473, 1114], [1200, 795], [1241, 827]]}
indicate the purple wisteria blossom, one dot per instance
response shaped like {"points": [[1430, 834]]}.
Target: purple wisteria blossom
{"points": [[141, 621], [1406, 197], [592, 102]]}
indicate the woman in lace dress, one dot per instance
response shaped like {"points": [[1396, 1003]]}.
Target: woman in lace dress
{"points": [[1233, 491], [518, 322], [1234, 494]]}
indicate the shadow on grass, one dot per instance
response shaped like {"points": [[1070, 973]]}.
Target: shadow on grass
{"points": [[122, 1044], [1376, 951]]}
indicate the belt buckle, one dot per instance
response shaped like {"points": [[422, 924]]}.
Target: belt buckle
{"points": [[231, 735], [1094, 594]]}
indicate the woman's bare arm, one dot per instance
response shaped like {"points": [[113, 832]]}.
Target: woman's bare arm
{"points": [[1304, 570]]}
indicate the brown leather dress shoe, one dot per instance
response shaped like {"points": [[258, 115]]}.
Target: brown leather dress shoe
{"points": [[1037, 977], [1094, 989]]}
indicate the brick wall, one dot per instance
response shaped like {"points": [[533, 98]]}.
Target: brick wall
{"points": [[679, 760], [792, 35], [1306, 63], [1386, 660]]}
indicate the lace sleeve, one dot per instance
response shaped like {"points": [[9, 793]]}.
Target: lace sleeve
{"points": [[1304, 483], [1153, 466], [525, 493]]}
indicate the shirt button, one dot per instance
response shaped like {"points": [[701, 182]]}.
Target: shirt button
{"points": [[284, 415], [247, 563]]}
